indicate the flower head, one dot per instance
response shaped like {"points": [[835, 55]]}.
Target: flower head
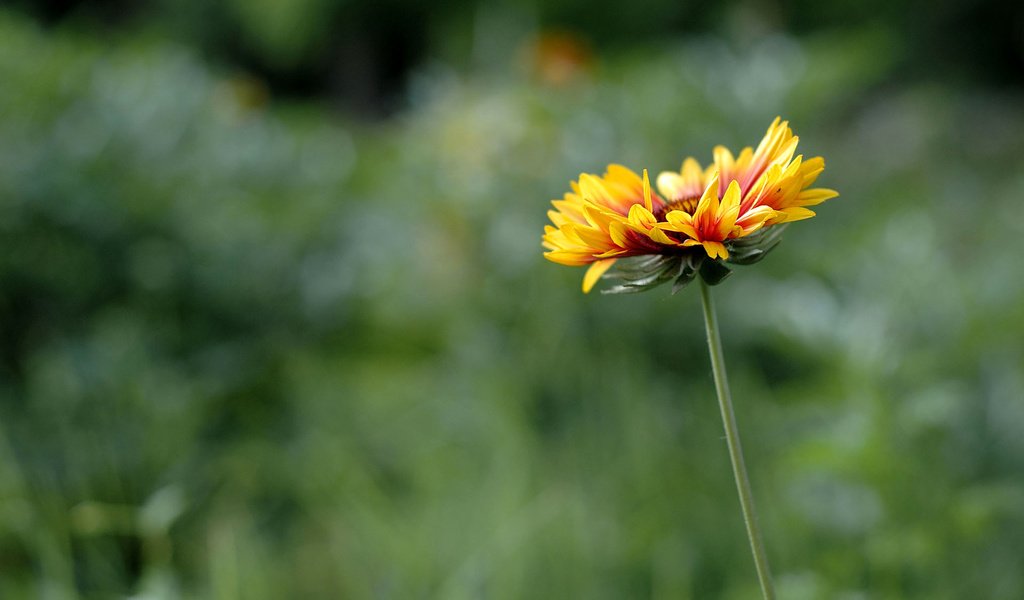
{"points": [[698, 220]]}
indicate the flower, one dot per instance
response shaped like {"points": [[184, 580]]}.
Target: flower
{"points": [[698, 220]]}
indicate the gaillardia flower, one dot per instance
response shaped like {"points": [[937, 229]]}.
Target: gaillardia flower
{"points": [[698, 221]]}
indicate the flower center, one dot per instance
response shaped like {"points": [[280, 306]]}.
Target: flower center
{"points": [[687, 205]]}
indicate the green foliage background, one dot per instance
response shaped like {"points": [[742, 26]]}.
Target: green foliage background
{"points": [[255, 348]]}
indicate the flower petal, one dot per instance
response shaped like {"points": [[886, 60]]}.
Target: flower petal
{"points": [[815, 196], [793, 213], [715, 249], [641, 217], [659, 236], [595, 272], [671, 185], [647, 193]]}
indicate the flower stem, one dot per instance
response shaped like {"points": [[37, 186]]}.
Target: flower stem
{"points": [[732, 438]]}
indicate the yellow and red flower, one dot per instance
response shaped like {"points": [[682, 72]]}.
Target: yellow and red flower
{"points": [[693, 220]]}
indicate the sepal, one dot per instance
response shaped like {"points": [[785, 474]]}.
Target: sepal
{"points": [[642, 273], [714, 272], [752, 248], [687, 271]]}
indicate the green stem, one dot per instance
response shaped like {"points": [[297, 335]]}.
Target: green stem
{"points": [[732, 438]]}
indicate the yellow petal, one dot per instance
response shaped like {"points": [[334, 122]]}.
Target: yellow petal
{"points": [[571, 208], [744, 159], [558, 218], [732, 196], [659, 236], [593, 189], [671, 185], [595, 272], [571, 259], [787, 151], [723, 160], [641, 217], [569, 231], [647, 193], [623, 175], [595, 216], [617, 231], [595, 238], [715, 249], [688, 183], [810, 170], [707, 208], [692, 173], [794, 213], [681, 222], [816, 196], [754, 219]]}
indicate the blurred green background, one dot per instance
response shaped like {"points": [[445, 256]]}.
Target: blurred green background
{"points": [[275, 321]]}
